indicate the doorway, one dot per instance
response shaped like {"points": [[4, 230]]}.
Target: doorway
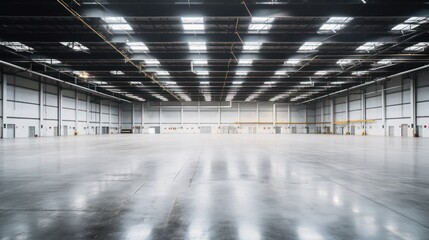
{"points": [[391, 131], [294, 130], [352, 130], [404, 130], [31, 131], [419, 131], [10, 130], [65, 130], [278, 130]]}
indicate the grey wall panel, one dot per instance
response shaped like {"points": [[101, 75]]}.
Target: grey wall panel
{"points": [[170, 116], [209, 116], [423, 93], [152, 116], [22, 110], [190, 116]]}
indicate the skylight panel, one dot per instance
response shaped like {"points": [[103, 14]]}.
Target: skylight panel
{"points": [[151, 62], [241, 73], [293, 61], [280, 73], [170, 83], [17, 46], [245, 62], [332, 27], [417, 20], [114, 20], [321, 73], [117, 73], [369, 46], [270, 83], [204, 73], [48, 61], [419, 47], [197, 46], [117, 24], [204, 83], [384, 62], [338, 83], [261, 24], [99, 83], [404, 27], [252, 46], [360, 73], [237, 82], [207, 97], [200, 62], [137, 46], [307, 83], [135, 83], [75, 46], [410, 24], [162, 73], [193, 23], [339, 19], [309, 46], [345, 62]]}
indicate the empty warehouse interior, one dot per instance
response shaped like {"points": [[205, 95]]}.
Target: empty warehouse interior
{"points": [[214, 119]]}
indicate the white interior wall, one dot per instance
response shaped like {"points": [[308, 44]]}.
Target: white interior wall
{"points": [[30, 102]]}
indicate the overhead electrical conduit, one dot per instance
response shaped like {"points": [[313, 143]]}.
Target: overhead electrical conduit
{"points": [[62, 81], [127, 59]]}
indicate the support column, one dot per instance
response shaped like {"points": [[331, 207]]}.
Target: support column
{"points": [[142, 116], [257, 115], [181, 114], [413, 107], [322, 117], [198, 110], [88, 128], [4, 105], [41, 107], [274, 116], [132, 117], [76, 115], [110, 115], [347, 114], [160, 116], [219, 114], [120, 117], [383, 109], [306, 120], [332, 116], [363, 106], [100, 118], [289, 117], [60, 111]]}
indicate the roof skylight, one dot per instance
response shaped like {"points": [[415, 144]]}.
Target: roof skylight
{"points": [[369, 46], [261, 24], [419, 47], [197, 46], [117, 73], [137, 46], [151, 61], [309, 46], [75, 46], [252, 46], [17, 46], [117, 24], [245, 62], [193, 23]]}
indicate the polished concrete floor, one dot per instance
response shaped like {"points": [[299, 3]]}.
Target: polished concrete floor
{"points": [[307, 187]]}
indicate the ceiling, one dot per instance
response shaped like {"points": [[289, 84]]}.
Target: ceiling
{"points": [[193, 48]]}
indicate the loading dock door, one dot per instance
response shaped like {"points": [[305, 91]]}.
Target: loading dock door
{"points": [[404, 130], [65, 130], [206, 130], [278, 130], [294, 130], [391, 131], [31, 131], [10, 130]]}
